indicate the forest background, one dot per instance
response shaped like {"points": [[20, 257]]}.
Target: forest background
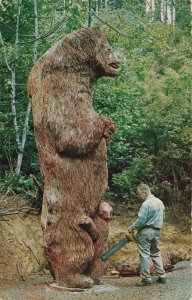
{"points": [[149, 101]]}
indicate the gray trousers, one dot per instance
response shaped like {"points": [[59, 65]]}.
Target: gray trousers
{"points": [[148, 245]]}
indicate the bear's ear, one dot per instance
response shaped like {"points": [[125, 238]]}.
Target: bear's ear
{"points": [[97, 31], [111, 203]]}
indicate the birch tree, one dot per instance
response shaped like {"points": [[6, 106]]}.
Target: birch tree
{"points": [[89, 12], [191, 14], [24, 133], [171, 12], [20, 136], [12, 69], [150, 8], [163, 10], [168, 11]]}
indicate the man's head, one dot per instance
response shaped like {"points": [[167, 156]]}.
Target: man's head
{"points": [[143, 190]]}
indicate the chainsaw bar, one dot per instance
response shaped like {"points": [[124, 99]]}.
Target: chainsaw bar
{"points": [[115, 248]]}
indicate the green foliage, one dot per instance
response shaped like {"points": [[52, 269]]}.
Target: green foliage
{"points": [[50, 13], [150, 103], [18, 184], [127, 181]]}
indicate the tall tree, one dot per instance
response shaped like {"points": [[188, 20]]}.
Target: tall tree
{"points": [[26, 122], [169, 11], [150, 8], [191, 14], [12, 69], [17, 57]]}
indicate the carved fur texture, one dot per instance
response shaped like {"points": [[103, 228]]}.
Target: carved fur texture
{"points": [[71, 141]]}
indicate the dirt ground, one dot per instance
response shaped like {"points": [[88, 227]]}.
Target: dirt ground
{"points": [[178, 287]]}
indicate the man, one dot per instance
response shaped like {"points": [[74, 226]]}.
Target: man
{"points": [[149, 222]]}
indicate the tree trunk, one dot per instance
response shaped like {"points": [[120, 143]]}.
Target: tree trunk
{"points": [[163, 10], [89, 12], [13, 81], [13, 77], [150, 8], [24, 133], [169, 12], [191, 14], [97, 8], [173, 12], [99, 4], [71, 141]]}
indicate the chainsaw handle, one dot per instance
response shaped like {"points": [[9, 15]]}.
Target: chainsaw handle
{"points": [[132, 235]]}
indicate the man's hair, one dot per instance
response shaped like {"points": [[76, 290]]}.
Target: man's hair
{"points": [[144, 188]]}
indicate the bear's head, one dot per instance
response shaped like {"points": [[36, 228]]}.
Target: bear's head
{"points": [[105, 211], [106, 62], [83, 51]]}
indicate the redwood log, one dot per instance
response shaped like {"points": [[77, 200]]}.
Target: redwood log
{"points": [[71, 141]]}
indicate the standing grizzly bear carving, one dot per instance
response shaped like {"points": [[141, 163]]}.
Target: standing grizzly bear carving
{"points": [[71, 141]]}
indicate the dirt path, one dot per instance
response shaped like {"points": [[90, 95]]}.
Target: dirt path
{"points": [[178, 287]]}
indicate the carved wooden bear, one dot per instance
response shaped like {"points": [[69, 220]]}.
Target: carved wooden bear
{"points": [[99, 231], [71, 142]]}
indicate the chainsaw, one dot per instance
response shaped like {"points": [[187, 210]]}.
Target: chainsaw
{"points": [[130, 237]]}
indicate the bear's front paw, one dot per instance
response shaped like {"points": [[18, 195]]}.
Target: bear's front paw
{"points": [[86, 221], [88, 225], [108, 129]]}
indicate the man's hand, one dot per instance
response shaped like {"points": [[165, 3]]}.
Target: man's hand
{"points": [[135, 234], [132, 235]]}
